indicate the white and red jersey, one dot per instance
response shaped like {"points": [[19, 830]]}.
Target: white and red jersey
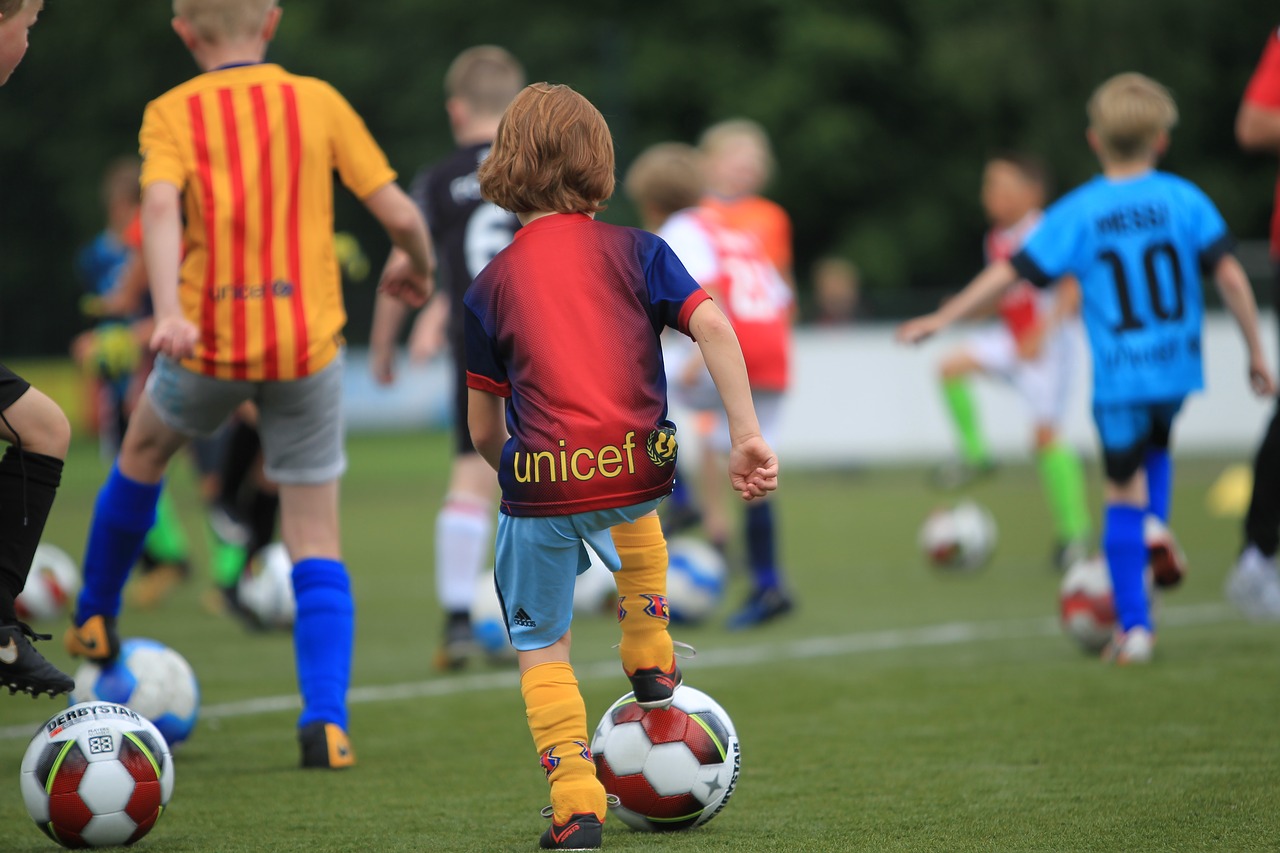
{"points": [[1022, 306], [733, 268]]}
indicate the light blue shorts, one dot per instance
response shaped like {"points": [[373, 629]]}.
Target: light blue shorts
{"points": [[537, 560]]}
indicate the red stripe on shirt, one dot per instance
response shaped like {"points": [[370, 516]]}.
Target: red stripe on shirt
{"points": [[293, 134], [266, 270], [209, 305], [239, 286]]}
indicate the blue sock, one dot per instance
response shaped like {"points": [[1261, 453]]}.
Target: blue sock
{"points": [[761, 545], [680, 497], [323, 637], [1159, 467], [1127, 559], [124, 512]]}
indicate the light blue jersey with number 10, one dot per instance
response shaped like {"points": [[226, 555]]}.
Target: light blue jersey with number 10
{"points": [[1139, 247]]}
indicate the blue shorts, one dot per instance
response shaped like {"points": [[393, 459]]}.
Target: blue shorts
{"points": [[537, 561], [1129, 430]]}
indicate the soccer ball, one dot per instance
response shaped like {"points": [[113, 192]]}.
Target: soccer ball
{"points": [[1086, 605], [671, 768], [53, 581], [487, 626], [267, 591], [150, 678], [959, 537], [96, 775], [695, 579]]}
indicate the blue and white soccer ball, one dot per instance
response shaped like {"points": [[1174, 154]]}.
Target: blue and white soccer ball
{"points": [[150, 678], [696, 574], [487, 625]]}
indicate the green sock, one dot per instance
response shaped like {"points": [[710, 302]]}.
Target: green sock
{"points": [[1063, 479], [964, 414], [226, 561], [166, 540]]}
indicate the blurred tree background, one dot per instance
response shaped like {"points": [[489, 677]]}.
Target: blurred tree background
{"points": [[881, 110]]}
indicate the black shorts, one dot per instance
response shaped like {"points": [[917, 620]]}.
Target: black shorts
{"points": [[12, 386]]}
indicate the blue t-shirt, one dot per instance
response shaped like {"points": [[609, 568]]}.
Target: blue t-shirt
{"points": [[1138, 247]]}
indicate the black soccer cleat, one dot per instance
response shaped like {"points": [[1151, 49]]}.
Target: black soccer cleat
{"points": [[23, 668], [763, 606], [655, 688], [96, 639], [580, 832], [325, 746], [458, 645]]}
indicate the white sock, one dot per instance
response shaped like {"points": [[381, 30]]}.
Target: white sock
{"points": [[464, 529]]}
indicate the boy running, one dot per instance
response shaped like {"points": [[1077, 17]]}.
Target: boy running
{"points": [[1137, 239], [238, 169]]}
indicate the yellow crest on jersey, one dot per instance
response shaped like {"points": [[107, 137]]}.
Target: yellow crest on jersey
{"points": [[662, 446]]}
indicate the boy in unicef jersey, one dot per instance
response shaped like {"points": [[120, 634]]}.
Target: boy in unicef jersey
{"points": [[1137, 240], [568, 404], [237, 224]]}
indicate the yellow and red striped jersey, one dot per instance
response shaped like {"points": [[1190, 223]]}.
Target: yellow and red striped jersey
{"points": [[253, 149]]}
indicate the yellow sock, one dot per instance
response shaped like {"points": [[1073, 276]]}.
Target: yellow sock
{"points": [[642, 595], [558, 721]]}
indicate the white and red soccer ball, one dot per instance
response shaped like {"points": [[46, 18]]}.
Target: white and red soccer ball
{"points": [[53, 581], [671, 768], [1086, 604], [960, 537], [97, 775]]}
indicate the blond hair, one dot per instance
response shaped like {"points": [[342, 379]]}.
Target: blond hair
{"points": [[553, 152], [720, 135], [9, 8], [486, 77], [217, 21], [666, 177], [1128, 113]]}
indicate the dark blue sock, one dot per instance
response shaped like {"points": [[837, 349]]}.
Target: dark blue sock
{"points": [[1127, 559], [761, 545], [124, 512], [1159, 467], [680, 496], [323, 637]]}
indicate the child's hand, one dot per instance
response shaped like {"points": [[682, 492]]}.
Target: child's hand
{"points": [[401, 281], [1260, 378], [915, 331], [175, 337], [753, 468]]}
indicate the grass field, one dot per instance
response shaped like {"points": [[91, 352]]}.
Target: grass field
{"points": [[897, 710]]}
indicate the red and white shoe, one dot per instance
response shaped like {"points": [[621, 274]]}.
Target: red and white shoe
{"points": [[1168, 563]]}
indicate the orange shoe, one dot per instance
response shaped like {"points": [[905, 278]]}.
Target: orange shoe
{"points": [[95, 640]]}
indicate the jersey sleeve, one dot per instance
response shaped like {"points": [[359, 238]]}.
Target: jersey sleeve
{"points": [[1213, 239], [673, 294], [361, 164], [1054, 248], [485, 370], [158, 145], [1264, 86]]}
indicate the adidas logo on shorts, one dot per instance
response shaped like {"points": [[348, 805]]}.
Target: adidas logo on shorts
{"points": [[523, 619]]}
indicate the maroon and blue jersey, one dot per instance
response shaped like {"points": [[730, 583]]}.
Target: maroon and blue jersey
{"points": [[564, 323]]}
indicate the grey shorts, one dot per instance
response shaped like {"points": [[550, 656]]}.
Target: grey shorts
{"points": [[300, 420]]}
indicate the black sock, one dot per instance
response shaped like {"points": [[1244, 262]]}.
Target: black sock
{"points": [[1262, 523], [242, 453], [28, 485], [260, 512]]}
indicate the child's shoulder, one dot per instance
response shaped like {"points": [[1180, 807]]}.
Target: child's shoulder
{"points": [[246, 76]]}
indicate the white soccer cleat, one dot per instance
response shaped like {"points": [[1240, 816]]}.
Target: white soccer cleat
{"points": [[1132, 647], [1168, 563], [1254, 586]]}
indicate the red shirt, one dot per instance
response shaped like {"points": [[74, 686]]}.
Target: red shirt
{"points": [[1264, 91]]}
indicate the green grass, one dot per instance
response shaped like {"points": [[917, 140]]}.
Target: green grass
{"points": [[1015, 742]]}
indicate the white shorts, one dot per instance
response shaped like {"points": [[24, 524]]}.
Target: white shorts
{"points": [[1043, 382], [300, 420]]}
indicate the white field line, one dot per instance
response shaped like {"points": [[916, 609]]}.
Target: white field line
{"points": [[950, 634]]}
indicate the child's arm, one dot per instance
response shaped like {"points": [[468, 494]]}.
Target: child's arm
{"points": [[988, 284], [753, 466], [388, 318], [407, 277], [1233, 284], [488, 425], [174, 335]]}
